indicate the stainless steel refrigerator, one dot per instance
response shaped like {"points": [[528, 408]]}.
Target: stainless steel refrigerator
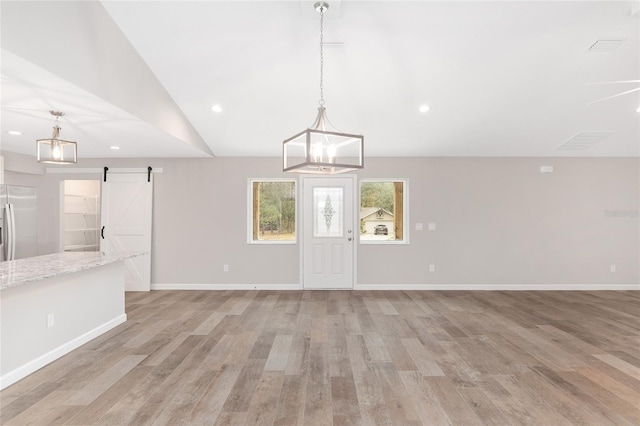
{"points": [[18, 222]]}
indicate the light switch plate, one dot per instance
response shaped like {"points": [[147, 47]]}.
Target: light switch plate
{"points": [[419, 227], [432, 227]]}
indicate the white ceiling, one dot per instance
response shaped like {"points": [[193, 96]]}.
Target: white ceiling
{"points": [[501, 78]]}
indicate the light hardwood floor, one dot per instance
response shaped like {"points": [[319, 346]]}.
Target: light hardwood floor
{"points": [[346, 357]]}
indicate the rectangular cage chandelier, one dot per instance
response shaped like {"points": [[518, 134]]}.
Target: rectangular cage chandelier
{"points": [[55, 150], [321, 149]]}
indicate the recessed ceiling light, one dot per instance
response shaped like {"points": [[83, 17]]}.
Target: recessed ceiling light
{"points": [[114, 147], [216, 108], [14, 132], [424, 108]]}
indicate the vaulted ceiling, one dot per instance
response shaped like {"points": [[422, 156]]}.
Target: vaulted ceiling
{"points": [[517, 78]]}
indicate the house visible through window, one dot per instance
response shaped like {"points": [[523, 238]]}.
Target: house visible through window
{"points": [[382, 210], [272, 205]]}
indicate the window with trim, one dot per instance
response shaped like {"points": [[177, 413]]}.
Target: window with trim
{"points": [[272, 211], [383, 211]]}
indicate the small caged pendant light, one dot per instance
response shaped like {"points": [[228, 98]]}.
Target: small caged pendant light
{"points": [[55, 150], [320, 149]]}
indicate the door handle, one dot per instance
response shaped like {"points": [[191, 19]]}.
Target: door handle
{"points": [[102, 232], [349, 239]]}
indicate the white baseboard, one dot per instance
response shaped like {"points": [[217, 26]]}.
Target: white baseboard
{"points": [[500, 287], [23, 371], [226, 287], [477, 287]]}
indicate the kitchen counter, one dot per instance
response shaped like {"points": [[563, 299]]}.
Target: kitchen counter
{"points": [[55, 303], [23, 271]]}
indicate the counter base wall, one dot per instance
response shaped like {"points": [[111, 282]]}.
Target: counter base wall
{"points": [[82, 306]]}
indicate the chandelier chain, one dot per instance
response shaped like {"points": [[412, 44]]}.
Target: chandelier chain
{"points": [[321, 102]]}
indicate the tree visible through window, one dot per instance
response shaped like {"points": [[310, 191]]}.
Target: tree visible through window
{"points": [[273, 205], [382, 213]]}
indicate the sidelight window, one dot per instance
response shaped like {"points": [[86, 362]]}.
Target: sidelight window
{"points": [[272, 211], [383, 211]]}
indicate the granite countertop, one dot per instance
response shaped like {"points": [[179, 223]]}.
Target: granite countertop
{"points": [[22, 271]]}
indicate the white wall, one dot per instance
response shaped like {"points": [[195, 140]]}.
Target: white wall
{"points": [[500, 222]]}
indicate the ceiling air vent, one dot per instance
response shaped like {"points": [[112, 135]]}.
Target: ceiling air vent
{"points": [[583, 141], [605, 45]]}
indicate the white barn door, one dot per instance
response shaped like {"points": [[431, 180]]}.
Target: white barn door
{"points": [[127, 200]]}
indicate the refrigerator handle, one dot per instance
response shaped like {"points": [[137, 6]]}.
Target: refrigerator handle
{"points": [[7, 243], [5, 239], [11, 234]]}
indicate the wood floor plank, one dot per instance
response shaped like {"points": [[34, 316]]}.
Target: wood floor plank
{"points": [[318, 409], [240, 396], [94, 389], [376, 348], [536, 403], [42, 411], [212, 401], [371, 401], [179, 409], [400, 406], [279, 354], [386, 306], [617, 363], [422, 358], [425, 402], [348, 357], [263, 407], [608, 403], [292, 401], [518, 411], [566, 398], [210, 323], [485, 409], [344, 401], [92, 412], [615, 387], [456, 408]]}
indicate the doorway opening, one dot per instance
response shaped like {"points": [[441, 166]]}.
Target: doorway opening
{"points": [[80, 219]]}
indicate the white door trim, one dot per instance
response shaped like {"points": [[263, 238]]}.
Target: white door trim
{"points": [[355, 226]]}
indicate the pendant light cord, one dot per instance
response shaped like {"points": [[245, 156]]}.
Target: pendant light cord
{"points": [[321, 102]]}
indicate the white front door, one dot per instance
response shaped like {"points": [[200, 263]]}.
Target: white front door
{"points": [[329, 232], [127, 200]]}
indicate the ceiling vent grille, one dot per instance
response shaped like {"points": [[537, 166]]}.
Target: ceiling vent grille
{"points": [[583, 141], [605, 45]]}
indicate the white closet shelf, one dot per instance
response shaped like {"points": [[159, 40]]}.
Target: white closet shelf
{"points": [[80, 247]]}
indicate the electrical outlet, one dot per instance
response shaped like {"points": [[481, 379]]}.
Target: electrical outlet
{"points": [[225, 268], [51, 320], [613, 268], [432, 268]]}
